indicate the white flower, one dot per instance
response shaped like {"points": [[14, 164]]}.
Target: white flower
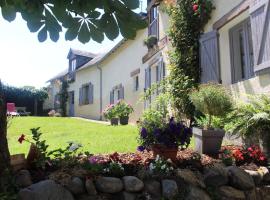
{"points": [[74, 147], [163, 167]]}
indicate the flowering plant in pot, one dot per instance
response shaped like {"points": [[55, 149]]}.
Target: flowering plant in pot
{"points": [[212, 100], [123, 110], [110, 114], [161, 136]]}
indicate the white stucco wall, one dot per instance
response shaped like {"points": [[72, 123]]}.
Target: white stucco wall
{"points": [[222, 7], [116, 70], [87, 75]]}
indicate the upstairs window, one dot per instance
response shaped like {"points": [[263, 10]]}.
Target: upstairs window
{"points": [[153, 22], [242, 57]]}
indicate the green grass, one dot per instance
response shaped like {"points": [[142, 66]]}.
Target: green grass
{"points": [[95, 138]]}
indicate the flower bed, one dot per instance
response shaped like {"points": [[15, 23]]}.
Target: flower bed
{"points": [[141, 176]]}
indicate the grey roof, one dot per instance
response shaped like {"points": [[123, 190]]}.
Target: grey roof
{"points": [[81, 53], [59, 75], [102, 56]]}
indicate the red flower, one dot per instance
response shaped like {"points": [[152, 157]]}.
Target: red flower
{"points": [[250, 149], [21, 138], [195, 7]]}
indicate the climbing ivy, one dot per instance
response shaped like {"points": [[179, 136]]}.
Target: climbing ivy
{"points": [[64, 97], [187, 20]]}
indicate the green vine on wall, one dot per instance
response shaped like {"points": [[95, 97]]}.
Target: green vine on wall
{"points": [[187, 20], [64, 97]]}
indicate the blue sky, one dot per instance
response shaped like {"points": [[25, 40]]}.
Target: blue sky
{"points": [[26, 61]]}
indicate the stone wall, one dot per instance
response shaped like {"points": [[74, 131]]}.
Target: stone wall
{"points": [[213, 182]]}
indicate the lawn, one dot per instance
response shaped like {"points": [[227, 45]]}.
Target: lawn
{"points": [[95, 137]]}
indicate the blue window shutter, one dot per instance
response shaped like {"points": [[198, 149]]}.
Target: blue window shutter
{"points": [[90, 93], [80, 96], [122, 95], [112, 97], [209, 57], [145, 78], [260, 19]]}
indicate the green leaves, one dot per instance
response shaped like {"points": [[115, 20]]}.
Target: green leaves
{"points": [[84, 35], [8, 12], [42, 35], [132, 4]]}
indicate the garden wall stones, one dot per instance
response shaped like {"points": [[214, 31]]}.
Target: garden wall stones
{"points": [[214, 182], [45, 190], [109, 185]]}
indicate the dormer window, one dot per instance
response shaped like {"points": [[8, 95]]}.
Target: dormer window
{"points": [[73, 65]]}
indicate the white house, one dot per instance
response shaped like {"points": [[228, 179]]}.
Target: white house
{"points": [[234, 51]]}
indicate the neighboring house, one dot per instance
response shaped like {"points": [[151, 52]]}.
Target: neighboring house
{"points": [[235, 48]]}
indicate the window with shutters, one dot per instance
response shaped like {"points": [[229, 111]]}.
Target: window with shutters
{"points": [[242, 58], [86, 94], [117, 93]]}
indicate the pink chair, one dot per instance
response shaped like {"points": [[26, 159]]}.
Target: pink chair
{"points": [[11, 109]]}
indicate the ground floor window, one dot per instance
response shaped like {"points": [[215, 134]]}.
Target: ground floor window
{"points": [[242, 58]]}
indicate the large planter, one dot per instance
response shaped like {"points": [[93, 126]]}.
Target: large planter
{"points": [[124, 120], [208, 141], [165, 152], [114, 121]]}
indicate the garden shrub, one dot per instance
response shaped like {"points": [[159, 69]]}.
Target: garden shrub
{"points": [[212, 100]]}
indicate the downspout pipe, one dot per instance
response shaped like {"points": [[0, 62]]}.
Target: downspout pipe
{"points": [[100, 90]]}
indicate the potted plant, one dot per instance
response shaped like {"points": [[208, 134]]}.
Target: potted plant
{"points": [[123, 110], [163, 138], [212, 100], [110, 114], [151, 41]]}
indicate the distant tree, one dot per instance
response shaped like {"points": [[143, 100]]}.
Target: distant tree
{"points": [[82, 19]]}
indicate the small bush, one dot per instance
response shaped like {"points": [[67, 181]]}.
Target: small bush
{"points": [[212, 100]]}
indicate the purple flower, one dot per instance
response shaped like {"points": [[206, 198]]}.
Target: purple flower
{"points": [[157, 132], [143, 133], [93, 160], [140, 148]]}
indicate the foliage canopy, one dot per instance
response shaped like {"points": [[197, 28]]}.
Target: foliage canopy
{"points": [[82, 19]]}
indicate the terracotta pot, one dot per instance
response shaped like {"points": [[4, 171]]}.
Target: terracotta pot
{"points": [[18, 162], [114, 121], [124, 120], [165, 152]]}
